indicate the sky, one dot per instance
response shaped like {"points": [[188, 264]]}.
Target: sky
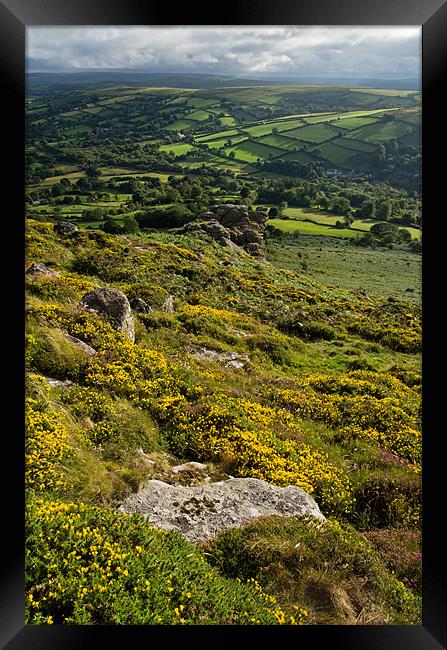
{"points": [[290, 51]]}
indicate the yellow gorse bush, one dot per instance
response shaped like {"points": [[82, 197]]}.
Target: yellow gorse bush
{"points": [[46, 446], [259, 442], [376, 406], [137, 372], [102, 566]]}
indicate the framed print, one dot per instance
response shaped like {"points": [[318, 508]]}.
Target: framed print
{"points": [[226, 417]]}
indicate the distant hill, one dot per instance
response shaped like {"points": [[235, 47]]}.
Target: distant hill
{"points": [[174, 80]]}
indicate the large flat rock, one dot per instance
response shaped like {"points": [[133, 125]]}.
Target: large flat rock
{"points": [[201, 512]]}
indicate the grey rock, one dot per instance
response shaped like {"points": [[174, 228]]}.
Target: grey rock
{"points": [[66, 383], [214, 229], [168, 305], [232, 360], [145, 458], [239, 224], [186, 467], [201, 512], [87, 349], [40, 269], [252, 236], [255, 249], [112, 304], [141, 306], [64, 228]]}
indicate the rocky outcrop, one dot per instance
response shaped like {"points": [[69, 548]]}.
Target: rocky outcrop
{"points": [[201, 512], [39, 269], [113, 305], [234, 226], [215, 230], [64, 228]]}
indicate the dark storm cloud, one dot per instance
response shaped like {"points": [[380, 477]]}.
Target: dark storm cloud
{"points": [[281, 51]]}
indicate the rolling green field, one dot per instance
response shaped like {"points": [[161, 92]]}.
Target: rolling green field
{"points": [[302, 157], [314, 133], [355, 145], [177, 149], [307, 228], [343, 157], [280, 141], [203, 116], [198, 115], [382, 131], [258, 149]]}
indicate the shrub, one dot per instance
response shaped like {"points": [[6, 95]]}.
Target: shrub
{"points": [[47, 445], [177, 215], [383, 502], [315, 331], [275, 345], [86, 565], [400, 551], [255, 441], [327, 568]]}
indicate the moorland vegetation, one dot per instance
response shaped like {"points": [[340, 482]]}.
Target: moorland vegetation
{"points": [[329, 327]]}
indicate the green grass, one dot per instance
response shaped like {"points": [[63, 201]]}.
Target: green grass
{"points": [[281, 125], [302, 157], [300, 562], [94, 110], [385, 92], [353, 122], [319, 216], [180, 125], [342, 157], [382, 131], [366, 224], [176, 149], [355, 145], [217, 144], [227, 120], [337, 263], [116, 100], [217, 136], [257, 149], [306, 228], [314, 133], [198, 116], [200, 102], [280, 141]]}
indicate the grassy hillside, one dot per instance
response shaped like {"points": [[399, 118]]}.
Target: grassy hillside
{"points": [[329, 401]]}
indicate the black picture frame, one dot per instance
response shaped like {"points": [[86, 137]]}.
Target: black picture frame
{"points": [[15, 16]]}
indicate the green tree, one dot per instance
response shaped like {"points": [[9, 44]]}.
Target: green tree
{"points": [[111, 227], [368, 209], [383, 210], [130, 225]]}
